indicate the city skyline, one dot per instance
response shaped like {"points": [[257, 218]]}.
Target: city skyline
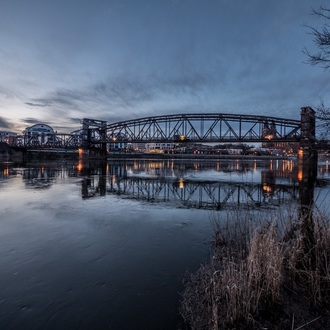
{"points": [[119, 60]]}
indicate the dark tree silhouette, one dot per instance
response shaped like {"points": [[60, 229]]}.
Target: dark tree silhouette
{"points": [[323, 115], [321, 38]]}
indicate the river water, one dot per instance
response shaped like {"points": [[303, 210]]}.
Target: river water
{"points": [[89, 245]]}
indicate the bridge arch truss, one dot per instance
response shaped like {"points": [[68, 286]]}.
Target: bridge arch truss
{"points": [[211, 127]]}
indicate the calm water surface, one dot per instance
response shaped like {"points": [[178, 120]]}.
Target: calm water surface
{"points": [[86, 245]]}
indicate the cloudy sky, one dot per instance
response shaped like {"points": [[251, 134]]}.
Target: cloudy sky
{"points": [[63, 60]]}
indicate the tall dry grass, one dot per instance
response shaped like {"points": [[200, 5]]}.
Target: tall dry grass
{"points": [[259, 273]]}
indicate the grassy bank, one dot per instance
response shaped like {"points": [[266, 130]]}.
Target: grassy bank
{"points": [[261, 276]]}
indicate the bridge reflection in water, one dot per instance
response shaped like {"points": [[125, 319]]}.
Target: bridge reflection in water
{"points": [[209, 184], [195, 184]]}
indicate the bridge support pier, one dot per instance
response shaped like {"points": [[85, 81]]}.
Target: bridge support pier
{"points": [[96, 147], [103, 138], [94, 152], [307, 157], [307, 154], [307, 165]]}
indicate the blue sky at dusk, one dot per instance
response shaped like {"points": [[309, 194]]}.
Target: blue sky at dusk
{"points": [[115, 60]]}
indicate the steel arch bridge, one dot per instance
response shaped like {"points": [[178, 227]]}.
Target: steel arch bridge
{"points": [[179, 128], [209, 127]]}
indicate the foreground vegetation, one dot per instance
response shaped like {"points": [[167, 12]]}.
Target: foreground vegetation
{"points": [[265, 275]]}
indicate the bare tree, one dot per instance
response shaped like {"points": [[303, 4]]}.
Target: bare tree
{"points": [[321, 38], [323, 116]]}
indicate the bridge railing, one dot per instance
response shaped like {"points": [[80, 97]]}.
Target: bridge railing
{"points": [[56, 140]]}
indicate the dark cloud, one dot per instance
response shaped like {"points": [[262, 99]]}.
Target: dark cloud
{"points": [[5, 124], [74, 120], [64, 99], [192, 83], [39, 103], [160, 110], [30, 120], [67, 97], [33, 104], [124, 90], [130, 91]]}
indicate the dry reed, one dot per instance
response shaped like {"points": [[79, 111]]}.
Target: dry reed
{"points": [[259, 273]]}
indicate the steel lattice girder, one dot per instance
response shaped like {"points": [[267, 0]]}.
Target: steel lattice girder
{"points": [[48, 141], [203, 127]]}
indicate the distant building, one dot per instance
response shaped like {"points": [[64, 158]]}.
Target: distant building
{"points": [[43, 133], [118, 146], [139, 146], [159, 147], [38, 129], [7, 137], [119, 143], [269, 132]]}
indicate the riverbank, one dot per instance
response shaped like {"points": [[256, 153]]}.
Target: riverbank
{"points": [[31, 155], [192, 156], [7, 153], [262, 276]]}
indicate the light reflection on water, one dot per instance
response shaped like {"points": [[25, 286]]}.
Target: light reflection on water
{"points": [[88, 245]]}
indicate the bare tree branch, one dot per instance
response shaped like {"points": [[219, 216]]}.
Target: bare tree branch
{"points": [[321, 38], [322, 12], [323, 120]]}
